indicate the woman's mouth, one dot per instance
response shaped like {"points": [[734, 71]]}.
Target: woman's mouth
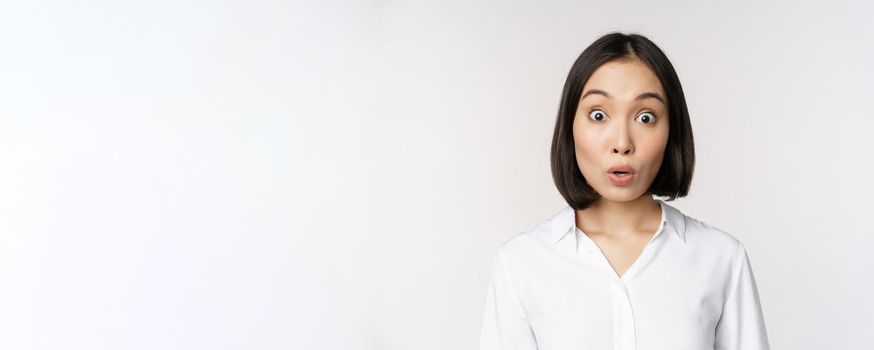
{"points": [[620, 178]]}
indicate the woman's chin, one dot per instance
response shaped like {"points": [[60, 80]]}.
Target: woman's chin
{"points": [[621, 194]]}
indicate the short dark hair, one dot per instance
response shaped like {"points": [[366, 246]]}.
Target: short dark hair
{"points": [[675, 175]]}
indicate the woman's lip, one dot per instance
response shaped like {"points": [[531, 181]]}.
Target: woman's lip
{"points": [[622, 168], [620, 180]]}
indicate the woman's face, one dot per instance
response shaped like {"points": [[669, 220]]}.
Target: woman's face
{"points": [[621, 120]]}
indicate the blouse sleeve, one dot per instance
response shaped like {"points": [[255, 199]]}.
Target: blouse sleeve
{"points": [[504, 324], [742, 325]]}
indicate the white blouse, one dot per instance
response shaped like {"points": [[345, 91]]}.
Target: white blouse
{"points": [[692, 288]]}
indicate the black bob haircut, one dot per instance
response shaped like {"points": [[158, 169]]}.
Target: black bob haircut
{"points": [[675, 175]]}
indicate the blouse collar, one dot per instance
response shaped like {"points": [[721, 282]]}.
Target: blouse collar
{"points": [[564, 222]]}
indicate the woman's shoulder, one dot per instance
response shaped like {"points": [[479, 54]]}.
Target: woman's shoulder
{"points": [[539, 235], [705, 236], [524, 240]]}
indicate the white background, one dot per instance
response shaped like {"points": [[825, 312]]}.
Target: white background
{"points": [[326, 175]]}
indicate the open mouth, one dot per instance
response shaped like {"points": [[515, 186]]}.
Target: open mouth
{"points": [[621, 178]]}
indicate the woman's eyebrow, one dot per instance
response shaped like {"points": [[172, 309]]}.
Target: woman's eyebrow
{"points": [[639, 97]]}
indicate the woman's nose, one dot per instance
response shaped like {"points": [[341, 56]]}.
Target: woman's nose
{"points": [[622, 149], [622, 143]]}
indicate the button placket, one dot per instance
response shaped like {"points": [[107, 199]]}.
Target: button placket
{"points": [[624, 337]]}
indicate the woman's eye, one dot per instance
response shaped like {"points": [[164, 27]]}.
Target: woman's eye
{"points": [[597, 115], [647, 117]]}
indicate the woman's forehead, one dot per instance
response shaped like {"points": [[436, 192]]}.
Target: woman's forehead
{"points": [[624, 80]]}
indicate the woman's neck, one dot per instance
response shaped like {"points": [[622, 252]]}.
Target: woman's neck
{"points": [[620, 219]]}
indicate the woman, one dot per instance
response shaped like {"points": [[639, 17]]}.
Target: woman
{"points": [[617, 268]]}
